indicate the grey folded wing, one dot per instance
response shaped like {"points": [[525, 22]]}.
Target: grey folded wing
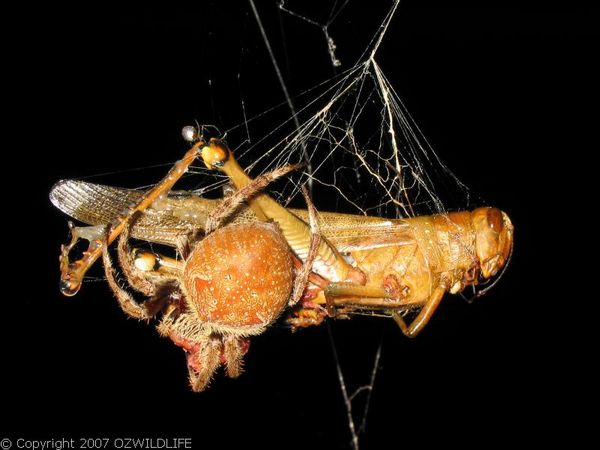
{"points": [[96, 204]]}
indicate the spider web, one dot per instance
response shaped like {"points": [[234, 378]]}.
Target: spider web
{"points": [[362, 153], [361, 149]]}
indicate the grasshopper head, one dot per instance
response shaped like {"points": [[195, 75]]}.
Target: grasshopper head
{"points": [[493, 239]]}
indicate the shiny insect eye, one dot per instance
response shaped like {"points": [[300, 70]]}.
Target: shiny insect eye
{"points": [[495, 220]]}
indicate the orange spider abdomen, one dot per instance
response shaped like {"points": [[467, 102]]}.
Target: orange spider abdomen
{"points": [[239, 278]]}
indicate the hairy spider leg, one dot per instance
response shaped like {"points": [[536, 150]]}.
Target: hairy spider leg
{"points": [[72, 273]]}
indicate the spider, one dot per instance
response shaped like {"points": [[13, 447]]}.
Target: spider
{"points": [[230, 283]]}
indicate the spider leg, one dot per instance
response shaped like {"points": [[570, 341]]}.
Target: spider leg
{"points": [[185, 243], [233, 201], [126, 301], [153, 275], [167, 295], [208, 361], [234, 351], [304, 272], [136, 277], [72, 273]]}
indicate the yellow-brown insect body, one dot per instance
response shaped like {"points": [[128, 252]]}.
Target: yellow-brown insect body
{"points": [[447, 250]]}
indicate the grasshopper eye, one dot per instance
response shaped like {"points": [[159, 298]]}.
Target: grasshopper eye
{"points": [[495, 219], [189, 133]]}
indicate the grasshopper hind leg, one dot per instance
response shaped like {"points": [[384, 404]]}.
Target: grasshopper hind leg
{"points": [[418, 323], [350, 295]]}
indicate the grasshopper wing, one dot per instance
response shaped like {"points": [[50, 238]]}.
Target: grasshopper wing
{"points": [[183, 212], [96, 204]]}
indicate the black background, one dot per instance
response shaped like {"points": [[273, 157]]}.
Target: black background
{"points": [[500, 94]]}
